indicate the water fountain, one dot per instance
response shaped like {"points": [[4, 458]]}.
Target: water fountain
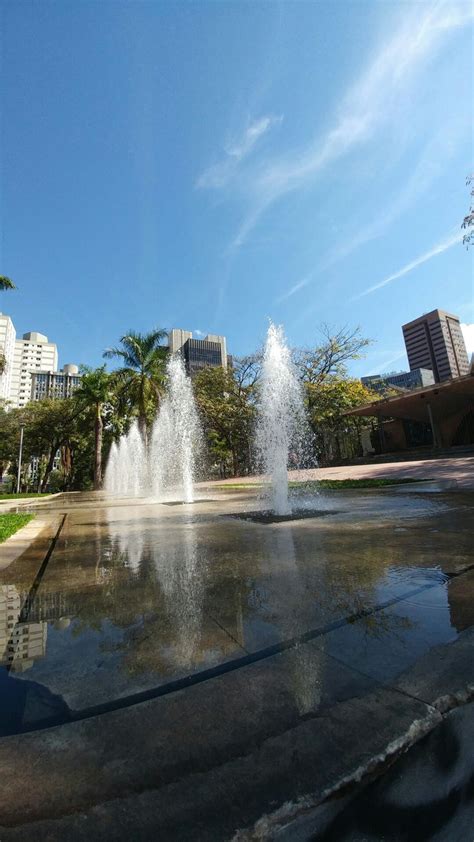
{"points": [[126, 472], [168, 465], [176, 437], [281, 421]]}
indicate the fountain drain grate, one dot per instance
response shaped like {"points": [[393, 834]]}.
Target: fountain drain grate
{"points": [[271, 517]]}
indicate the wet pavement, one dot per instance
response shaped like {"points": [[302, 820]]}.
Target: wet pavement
{"points": [[427, 796], [146, 604]]}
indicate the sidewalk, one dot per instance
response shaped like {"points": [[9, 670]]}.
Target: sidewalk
{"points": [[461, 470]]}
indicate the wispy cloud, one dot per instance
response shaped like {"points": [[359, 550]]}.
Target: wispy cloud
{"points": [[199, 332], [220, 174], [294, 289], [387, 362], [369, 103], [431, 163], [439, 248]]}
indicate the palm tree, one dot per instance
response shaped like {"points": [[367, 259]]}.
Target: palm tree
{"points": [[142, 378], [95, 391], [5, 283]]}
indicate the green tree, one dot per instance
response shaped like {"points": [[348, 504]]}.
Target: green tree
{"points": [[226, 399], [330, 357], [95, 392], [49, 427], [330, 391], [337, 435], [140, 382], [9, 439]]}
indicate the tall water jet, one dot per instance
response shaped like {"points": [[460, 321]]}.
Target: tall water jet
{"points": [[111, 473], [281, 416], [127, 469], [176, 437]]}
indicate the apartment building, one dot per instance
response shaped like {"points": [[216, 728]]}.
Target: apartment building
{"points": [[7, 351], [55, 384], [33, 353]]}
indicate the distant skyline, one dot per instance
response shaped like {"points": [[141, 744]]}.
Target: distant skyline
{"points": [[210, 166]]}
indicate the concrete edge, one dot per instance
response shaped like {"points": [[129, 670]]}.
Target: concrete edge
{"points": [[450, 687], [21, 502], [438, 708], [20, 541]]}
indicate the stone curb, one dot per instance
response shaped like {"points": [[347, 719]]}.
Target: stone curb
{"points": [[63, 772], [20, 541]]}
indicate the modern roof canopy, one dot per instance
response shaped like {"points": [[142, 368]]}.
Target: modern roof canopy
{"points": [[445, 399]]}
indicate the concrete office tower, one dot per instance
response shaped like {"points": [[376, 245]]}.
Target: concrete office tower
{"points": [[33, 353], [55, 384], [7, 351], [435, 341], [177, 338], [198, 353]]}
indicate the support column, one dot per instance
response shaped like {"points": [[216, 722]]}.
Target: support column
{"points": [[383, 442], [434, 427]]}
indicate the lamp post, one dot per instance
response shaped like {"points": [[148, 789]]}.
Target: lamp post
{"points": [[20, 453]]}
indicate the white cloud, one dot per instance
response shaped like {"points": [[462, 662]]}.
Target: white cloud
{"points": [[439, 248], [372, 100], [199, 332], [468, 333], [388, 359], [220, 174], [430, 165], [300, 285]]}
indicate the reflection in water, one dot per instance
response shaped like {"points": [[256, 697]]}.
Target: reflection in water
{"points": [[287, 599], [127, 538], [23, 703], [21, 642], [179, 570], [154, 595]]}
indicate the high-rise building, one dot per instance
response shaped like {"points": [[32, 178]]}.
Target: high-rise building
{"points": [[435, 341], [55, 384], [32, 353], [199, 353], [7, 351], [401, 379], [177, 338]]}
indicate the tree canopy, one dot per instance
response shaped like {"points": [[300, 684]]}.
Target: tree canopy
{"points": [[140, 381]]}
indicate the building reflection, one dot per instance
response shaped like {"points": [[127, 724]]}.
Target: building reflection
{"points": [[21, 643]]}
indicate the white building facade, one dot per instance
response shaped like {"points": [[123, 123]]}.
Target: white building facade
{"points": [[7, 352], [55, 384], [33, 353]]}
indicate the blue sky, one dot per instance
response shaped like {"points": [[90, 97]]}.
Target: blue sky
{"points": [[212, 165]]}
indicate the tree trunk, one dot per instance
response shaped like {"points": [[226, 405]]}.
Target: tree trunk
{"points": [[142, 428], [49, 467], [98, 449]]}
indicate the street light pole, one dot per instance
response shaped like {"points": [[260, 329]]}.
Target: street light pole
{"points": [[20, 454]]}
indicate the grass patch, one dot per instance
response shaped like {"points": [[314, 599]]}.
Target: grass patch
{"points": [[332, 484], [9, 524], [353, 483], [23, 494]]}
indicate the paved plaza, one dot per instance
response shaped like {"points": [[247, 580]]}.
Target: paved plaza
{"points": [[187, 673]]}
